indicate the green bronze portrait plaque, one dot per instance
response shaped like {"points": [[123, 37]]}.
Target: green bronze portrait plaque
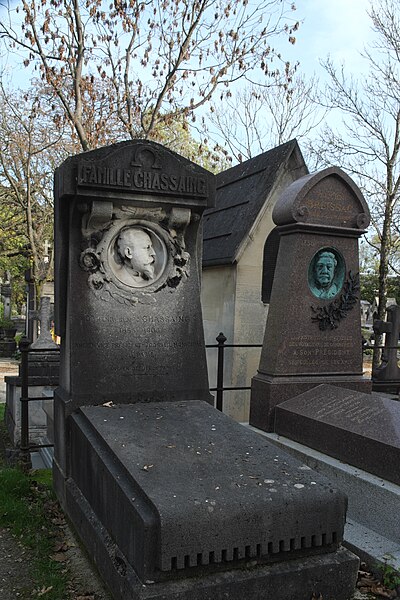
{"points": [[326, 273]]}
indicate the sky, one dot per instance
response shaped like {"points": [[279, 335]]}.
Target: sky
{"points": [[339, 28]]}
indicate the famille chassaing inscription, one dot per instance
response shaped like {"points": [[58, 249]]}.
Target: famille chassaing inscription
{"points": [[133, 252], [143, 174]]}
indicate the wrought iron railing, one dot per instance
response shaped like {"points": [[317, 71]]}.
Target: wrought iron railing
{"points": [[25, 348], [25, 446]]}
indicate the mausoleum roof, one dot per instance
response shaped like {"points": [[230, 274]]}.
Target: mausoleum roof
{"points": [[241, 193]]}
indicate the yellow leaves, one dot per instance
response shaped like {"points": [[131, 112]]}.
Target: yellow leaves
{"points": [[44, 590]]}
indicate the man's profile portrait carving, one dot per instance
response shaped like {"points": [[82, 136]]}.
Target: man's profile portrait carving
{"points": [[136, 255], [324, 274]]}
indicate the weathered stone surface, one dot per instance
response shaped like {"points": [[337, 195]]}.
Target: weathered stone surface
{"points": [[360, 429], [332, 575], [313, 330], [227, 494], [117, 344]]}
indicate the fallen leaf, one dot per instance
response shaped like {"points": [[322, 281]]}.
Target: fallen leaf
{"points": [[59, 557], [60, 547], [44, 590]]}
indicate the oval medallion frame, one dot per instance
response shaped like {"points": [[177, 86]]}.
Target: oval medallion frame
{"points": [[113, 267], [336, 284]]}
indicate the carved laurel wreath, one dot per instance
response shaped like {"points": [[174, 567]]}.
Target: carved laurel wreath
{"points": [[329, 315]]}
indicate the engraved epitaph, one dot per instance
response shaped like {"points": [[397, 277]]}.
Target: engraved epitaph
{"points": [[313, 332], [360, 429]]}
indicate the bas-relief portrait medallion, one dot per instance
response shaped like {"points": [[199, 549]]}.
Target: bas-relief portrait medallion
{"points": [[137, 256], [326, 273], [129, 259]]}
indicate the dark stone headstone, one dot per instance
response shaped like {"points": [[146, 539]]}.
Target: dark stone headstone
{"points": [[360, 429], [6, 297], [109, 317], [313, 332], [174, 500], [8, 345]]}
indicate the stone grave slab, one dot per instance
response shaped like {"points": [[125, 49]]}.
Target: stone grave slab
{"points": [[360, 429], [258, 494], [216, 520], [173, 500]]}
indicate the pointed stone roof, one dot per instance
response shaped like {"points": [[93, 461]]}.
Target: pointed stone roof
{"points": [[241, 194]]}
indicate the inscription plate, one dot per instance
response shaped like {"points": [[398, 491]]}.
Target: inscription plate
{"points": [[361, 429]]}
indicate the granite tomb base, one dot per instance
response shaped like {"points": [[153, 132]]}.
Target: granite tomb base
{"points": [[175, 501], [360, 429]]}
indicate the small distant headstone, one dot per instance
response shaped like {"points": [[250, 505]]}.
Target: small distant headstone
{"points": [[313, 331], [44, 315], [7, 341], [366, 314], [43, 373], [6, 294], [386, 377]]}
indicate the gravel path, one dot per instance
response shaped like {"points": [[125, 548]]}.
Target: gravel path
{"points": [[15, 582]]}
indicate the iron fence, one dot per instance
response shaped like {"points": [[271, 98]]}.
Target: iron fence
{"points": [[25, 446], [220, 389], [25, 348]]}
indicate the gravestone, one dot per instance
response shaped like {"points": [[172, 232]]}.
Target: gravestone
{"points": [[43, 373], [366, 314], [386, 377], [173, 500], [7, 342], [358, 429], [6, 296], [313, 332]]}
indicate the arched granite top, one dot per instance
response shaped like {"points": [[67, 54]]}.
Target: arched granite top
{"points": [[328, 197]]}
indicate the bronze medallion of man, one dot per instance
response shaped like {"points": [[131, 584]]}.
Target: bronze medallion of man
{"points": [[326, 274]]}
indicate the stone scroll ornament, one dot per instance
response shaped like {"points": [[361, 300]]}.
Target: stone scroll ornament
{"points": [[131, 252]]}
